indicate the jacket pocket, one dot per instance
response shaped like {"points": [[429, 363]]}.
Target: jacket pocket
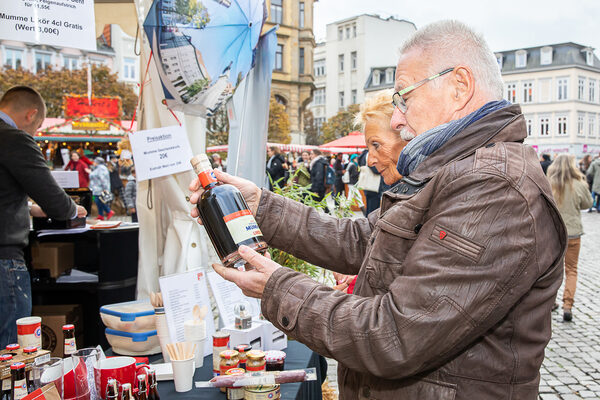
{"points": [[457, 243], [423, 389]]}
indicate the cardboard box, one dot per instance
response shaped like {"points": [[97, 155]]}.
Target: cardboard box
{"points": [[53, 319], [56, 257]]}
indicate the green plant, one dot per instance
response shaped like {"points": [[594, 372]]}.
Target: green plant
{"points": [[301, 194]]}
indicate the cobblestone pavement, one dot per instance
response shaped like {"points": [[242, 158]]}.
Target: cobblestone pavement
{"points": [[571, 369]]}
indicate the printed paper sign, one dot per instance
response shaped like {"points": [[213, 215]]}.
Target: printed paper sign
{"points": [[160, 152], [227, 295], [180, 293], [61, 23]]}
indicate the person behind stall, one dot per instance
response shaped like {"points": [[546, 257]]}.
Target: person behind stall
{"points": [[23, 173], [131, 196], [457, 271], [302, 174], [276, 167], [77, 164], [100, 187]]}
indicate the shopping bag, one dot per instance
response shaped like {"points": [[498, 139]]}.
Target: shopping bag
{"points": [[367, 180], [346, 176]]}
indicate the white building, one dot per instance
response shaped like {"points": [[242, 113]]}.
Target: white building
{"points": [[354, 46], [557, 87], [317, 106]]}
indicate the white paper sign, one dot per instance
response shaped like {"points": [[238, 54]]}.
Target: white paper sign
{"points": [[60, 23], [227, 295], [180, 293], [66, 179], [160, 152]]}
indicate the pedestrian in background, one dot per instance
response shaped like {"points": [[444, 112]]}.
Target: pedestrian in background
{"points": [[302, 174], [99, 185], [276, 167], [77, 164], [571, 193], [338, 167], [131, 196], [545, 162], [593, 175], [116, 184]]}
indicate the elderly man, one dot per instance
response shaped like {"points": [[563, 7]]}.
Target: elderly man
{"points": [[459, 268], [23, 174]]}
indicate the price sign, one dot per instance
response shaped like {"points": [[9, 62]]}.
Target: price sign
{"points": [[160, 152]]}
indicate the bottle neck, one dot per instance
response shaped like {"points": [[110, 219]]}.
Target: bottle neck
{"points": [[207, 179]]}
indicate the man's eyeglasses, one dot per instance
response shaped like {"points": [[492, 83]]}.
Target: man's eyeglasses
{"points": [[398, 100]]}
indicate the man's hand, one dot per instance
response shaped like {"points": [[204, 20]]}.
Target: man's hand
{"points": [[81, 212], [249, 190], [251, 282]]}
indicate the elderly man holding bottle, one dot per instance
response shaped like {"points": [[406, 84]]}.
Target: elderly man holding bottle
{"points": [[457, 270]]}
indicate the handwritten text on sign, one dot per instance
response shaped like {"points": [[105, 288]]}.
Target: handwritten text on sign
{"points": [[160, 152], [64, 23]]}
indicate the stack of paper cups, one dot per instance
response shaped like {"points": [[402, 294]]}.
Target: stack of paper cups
{"points": [[162, 331], [195, 332]]}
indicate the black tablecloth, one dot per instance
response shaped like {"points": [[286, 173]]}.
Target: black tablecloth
{"points": [[298, 357]]}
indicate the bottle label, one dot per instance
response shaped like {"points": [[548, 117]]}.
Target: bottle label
{"points": [[70, 346], [6, 385], [242, 226], [20, 389]]}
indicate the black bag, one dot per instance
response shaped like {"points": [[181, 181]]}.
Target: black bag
{"points": [[106, 196]]}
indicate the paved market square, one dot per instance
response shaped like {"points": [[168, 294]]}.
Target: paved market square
{"points": [[571, 369]]}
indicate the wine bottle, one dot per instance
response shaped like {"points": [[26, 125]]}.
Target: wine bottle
{"points": [[226, 216]]}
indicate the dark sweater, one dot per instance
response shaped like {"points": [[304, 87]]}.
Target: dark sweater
{"points": [[23, 173]]}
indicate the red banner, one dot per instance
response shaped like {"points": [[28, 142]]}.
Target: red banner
{"points": [[102, 107]]}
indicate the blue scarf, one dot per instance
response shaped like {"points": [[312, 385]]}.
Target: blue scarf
{"points": [[419, 148]]}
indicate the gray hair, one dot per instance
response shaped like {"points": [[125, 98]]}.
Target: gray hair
{"points": [[449, 43]]}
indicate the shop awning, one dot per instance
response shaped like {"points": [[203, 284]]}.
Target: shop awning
{"points": [[281, 146]]}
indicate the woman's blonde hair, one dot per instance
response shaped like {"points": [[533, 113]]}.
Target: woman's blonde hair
{"points": [[561, 173], [379, 105]]}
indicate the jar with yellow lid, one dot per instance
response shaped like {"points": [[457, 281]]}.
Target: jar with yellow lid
{"points": [[255, 361], [229, 360], [235, 393]]}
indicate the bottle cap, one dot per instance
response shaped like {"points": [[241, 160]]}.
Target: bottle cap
{"points": [[200, 163], [255, 354], [243, 347], [68, 327], [30, 349], [6, 357], [274, 355], [235, 371], [12, 347], [228, 354], [18, 365]]}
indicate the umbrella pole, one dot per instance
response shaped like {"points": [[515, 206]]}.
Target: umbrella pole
{"points": [[242, 118]]}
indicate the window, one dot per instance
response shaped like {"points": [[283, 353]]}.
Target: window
{"points": [[544, 90], [521, 59], [354, 96], [563, 86], [353, 30], [340, 33], [341, 99], [546, 55], [591, 125], [529, 125], [129, 68], [301, 61], [319, 123], [279, 58], [499, 60], [511, 92], [592, 91], [319, 67], [580, 88], [42, 61], [13, 58], [389, 75], [277, 11], [353, 61], [301, 14], [281, 100], [347, 32], [376, 78], [589, 57], [544, 126], [562, 125], [319, 97], [580, 125], [527, 92], [341, 63], [70, 63]]}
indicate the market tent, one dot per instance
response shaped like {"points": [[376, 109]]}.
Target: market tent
{"points": [[281, 146], [66, 130], [352, 143]]}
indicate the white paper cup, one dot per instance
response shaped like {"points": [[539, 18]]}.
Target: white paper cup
{"points": [[162, 331], [195, 333], [183, 374], [29, 332]]}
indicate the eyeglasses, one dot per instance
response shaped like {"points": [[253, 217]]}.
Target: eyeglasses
{"points": [[398, 100]]}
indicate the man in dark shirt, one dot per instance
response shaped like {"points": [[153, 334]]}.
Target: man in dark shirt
{"points": [[23, 174]]}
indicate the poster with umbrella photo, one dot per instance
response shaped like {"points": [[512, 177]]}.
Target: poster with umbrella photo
{"points": [[203, 49]]}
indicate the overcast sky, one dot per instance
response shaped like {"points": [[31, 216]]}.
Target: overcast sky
{"points": [[506, 24]]}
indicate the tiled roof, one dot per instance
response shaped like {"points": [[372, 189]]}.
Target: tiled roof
{"points": [[563, 54]]}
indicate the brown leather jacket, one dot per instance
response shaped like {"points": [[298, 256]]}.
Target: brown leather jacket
{"points": [[457, 274]]}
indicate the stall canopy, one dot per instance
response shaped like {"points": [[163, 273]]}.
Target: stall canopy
{"points": [[353, 143], [83, 130], [281, 146]]}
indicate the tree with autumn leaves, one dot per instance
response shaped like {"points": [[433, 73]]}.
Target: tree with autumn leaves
{"points": [[341, 124], [54, 84]]}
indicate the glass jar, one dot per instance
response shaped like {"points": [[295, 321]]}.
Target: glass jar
{"points": [[266, 392], [235, 393], [242, 350], [229, 360], [256, 361], [220, 343], [275, 360]]}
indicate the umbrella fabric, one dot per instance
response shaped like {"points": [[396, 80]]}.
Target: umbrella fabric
{"points": [[353, 140], [203, 49]]}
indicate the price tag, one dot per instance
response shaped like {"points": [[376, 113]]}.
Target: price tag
{"points": [[42, 359]]}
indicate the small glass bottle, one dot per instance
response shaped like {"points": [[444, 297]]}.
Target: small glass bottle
{"points": [[18, 381], [127, 393], [256, 361], [5, 359], [70, 346], [142, 387], [243, 318], [112, 389], [229, 360], [13, 347], [242, 349], [153, 386]]}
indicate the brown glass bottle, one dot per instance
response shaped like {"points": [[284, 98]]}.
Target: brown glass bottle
{"points": [[112, 389], [127, 393], [142, 393], [18, 381], [70, 346], [152, 386], [226, 216]]}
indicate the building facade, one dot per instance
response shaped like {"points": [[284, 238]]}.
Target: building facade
{"points": [[557, 87], [293, 81], [317, 106], [380, 79]]}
